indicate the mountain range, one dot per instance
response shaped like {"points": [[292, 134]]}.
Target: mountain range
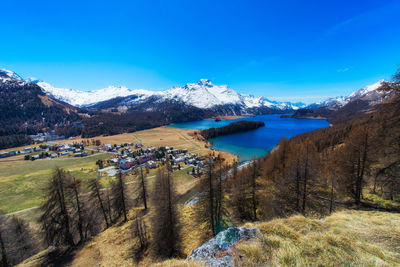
{"points": [[367, 93], [29, 106], [203, 94]]}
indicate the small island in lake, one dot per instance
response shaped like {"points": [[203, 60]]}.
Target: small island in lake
{"points": [[234, 127]]}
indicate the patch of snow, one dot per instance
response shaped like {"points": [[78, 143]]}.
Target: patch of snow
{"points": [[11, 74]]}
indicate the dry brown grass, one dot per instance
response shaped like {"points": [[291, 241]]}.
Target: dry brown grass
{"points": [[346, 238]]}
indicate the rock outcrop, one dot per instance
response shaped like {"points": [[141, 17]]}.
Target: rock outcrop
{"points": [[217, 251]]}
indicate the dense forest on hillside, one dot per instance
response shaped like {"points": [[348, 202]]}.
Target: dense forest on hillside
{"points": [[341, 164], [26, 110], [352, 110], [134, 120], [234, 127]]}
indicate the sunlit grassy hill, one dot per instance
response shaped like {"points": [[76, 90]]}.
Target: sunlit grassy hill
{"points": [[345, 238]]}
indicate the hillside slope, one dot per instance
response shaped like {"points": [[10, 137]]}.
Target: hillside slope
{"points": [[340, 109], [25, 109], [347, 237]]}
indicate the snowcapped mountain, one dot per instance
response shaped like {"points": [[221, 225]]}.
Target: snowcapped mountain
{"points": [[368, 93], [9, 76], [85, 98], [203, 94]]}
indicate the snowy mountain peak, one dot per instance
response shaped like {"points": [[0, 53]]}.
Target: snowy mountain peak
{"points": [[10, 74], [367, 89], [83, 98], [32, 80], [368, 93], [205, 82]]}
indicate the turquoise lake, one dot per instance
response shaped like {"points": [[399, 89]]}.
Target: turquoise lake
{"points": [[256, 142]]}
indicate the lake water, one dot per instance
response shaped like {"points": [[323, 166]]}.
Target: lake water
{"points": [[256, 142]]}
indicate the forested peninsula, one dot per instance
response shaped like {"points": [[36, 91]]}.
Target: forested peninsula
{"points": [[234, 127]]}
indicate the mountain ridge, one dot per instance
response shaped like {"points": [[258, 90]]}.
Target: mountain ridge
{"points": [[368, 93], [202, 94]]}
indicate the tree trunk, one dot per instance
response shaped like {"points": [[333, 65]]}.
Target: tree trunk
{"points": [[4, 261], [298, 187], [364, 162], [109, 207], [331, 198], [253, 191], [103, 210], [143, 189], [68, 236], [305, 182], [211, 196], [122, 190], [169, 200], [78, 204]]}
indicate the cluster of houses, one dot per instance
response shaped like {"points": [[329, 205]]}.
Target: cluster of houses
{"points": [[47, 151], [128, 156], [152, 157], [76, 150], [46, 136], [115, 148]]}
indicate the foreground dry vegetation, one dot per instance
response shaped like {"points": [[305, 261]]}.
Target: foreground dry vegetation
{"points": [[345, 238]]}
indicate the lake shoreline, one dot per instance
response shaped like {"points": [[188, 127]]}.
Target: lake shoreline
{"points": [[228, 117], [258, 142]]}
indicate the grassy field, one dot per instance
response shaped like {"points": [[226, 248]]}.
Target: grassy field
{"points": [[21, 181]]}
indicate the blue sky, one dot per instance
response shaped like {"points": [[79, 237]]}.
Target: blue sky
{"points": [[284, 50]]}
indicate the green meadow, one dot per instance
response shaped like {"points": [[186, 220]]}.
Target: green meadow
{"points": [[21, 182]]}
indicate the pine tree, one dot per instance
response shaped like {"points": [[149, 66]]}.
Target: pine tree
{"points": [[143, 189], [96, 197], [55, 218], [4, 260], [139, 231], [119, 200], [164, 224]]}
